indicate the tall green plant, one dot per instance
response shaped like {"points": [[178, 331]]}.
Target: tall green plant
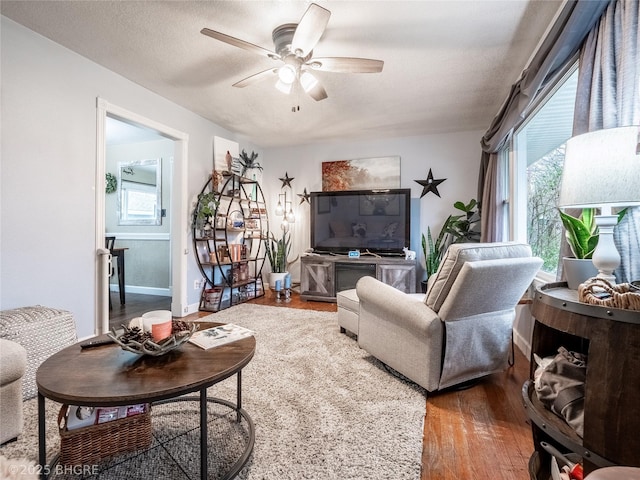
{"points": [[433, 251], [278, 252], [456, 229], [464, 228]]}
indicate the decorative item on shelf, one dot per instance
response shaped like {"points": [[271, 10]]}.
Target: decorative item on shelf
{"points": [[221, 220], [205, 212], [111, 183], [248, 162], [235, 220], [235, 251], [243, 271], [602, 170], [229, 160], [216, 180], [430, 184], [223, 253]]}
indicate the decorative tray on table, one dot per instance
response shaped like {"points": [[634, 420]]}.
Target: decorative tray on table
{"points": [[134, 339]]}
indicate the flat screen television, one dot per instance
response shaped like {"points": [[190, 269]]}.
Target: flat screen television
{"points": [[377, 221]]}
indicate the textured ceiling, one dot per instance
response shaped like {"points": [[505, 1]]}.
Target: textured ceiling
{"points": [[448, 65]]}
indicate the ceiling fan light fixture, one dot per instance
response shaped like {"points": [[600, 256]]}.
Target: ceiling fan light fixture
{"points": [[308, 81], [287, 74], [284, 87]]}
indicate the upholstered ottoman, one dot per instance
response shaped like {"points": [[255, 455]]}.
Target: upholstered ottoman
{"points": [[13, 361], [348, 311], [42, 331]]}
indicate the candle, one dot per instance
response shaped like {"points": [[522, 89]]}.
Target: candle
{"points": [[278, 285], [287, 281]]}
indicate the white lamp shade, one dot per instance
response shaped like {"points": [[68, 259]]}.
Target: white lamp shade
{"points": [[602, 168]]}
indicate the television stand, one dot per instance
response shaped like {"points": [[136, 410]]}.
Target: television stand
{"points": [[323, 275]]}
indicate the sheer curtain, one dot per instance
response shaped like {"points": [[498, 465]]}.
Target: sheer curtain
{"points": [[573, 24], [609, 96]]}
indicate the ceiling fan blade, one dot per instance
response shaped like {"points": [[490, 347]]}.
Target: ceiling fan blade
{"points": [[255, 78], [310, 29], [346, 65], [236, 42], [317, 92]]}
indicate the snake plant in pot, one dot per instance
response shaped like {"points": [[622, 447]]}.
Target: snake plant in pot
{"points": [[277, 251], [582, 236]]}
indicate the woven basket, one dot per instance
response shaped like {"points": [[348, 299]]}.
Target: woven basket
{"points": [[622, 295], [89, 445]]}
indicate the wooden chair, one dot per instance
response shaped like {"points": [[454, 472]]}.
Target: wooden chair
{"points": [[109, 242]]}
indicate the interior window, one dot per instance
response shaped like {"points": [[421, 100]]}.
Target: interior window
{"points": [[537, 160]]}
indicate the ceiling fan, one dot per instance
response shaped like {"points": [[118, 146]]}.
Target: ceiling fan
{"points": [[294, 45]]}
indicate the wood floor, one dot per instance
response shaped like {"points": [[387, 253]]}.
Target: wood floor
{"points": [[478, 433]]}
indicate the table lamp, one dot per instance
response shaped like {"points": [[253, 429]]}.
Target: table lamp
{"points": [[602, 170]]}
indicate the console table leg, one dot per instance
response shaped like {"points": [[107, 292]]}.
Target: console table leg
{"points": [[203, 435], [42, 438]]}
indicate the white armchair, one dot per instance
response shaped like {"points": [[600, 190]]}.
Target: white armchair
{"points": [[461, 329]]}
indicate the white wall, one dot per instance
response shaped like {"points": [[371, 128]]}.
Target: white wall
{"points": [[47, 185], [454, 156]]}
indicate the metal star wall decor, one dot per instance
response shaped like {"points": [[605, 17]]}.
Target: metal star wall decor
{"points": [[305, 197], [430, 185], [286, 180]]}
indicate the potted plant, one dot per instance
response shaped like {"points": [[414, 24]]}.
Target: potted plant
{"points": [[582, 236], [206, 212], [277, 253], [248, 162], [456, 229]]}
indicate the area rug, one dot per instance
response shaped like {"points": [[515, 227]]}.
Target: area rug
{"points": [[322, 408]]}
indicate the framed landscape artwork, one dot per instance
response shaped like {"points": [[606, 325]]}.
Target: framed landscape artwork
{"points": [[361, 174]]}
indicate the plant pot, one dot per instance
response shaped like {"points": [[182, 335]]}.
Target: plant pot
{"points": [[273, 277], [577, 271]]}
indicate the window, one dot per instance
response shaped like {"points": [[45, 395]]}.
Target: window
{"points": [[537, 158]]}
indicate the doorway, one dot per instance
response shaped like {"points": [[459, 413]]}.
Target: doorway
{"points": [[138, 164], [149, 160]]}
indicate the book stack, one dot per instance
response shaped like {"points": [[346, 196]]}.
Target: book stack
{"points": [[220, 335]]}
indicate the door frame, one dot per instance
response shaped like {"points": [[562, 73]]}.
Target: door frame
{"points": [[179, 207]]}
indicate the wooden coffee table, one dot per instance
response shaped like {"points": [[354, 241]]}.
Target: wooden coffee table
{"points": [[110, 376]]}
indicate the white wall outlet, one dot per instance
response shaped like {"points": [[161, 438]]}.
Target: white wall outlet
{"points": [[196, 284]]}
